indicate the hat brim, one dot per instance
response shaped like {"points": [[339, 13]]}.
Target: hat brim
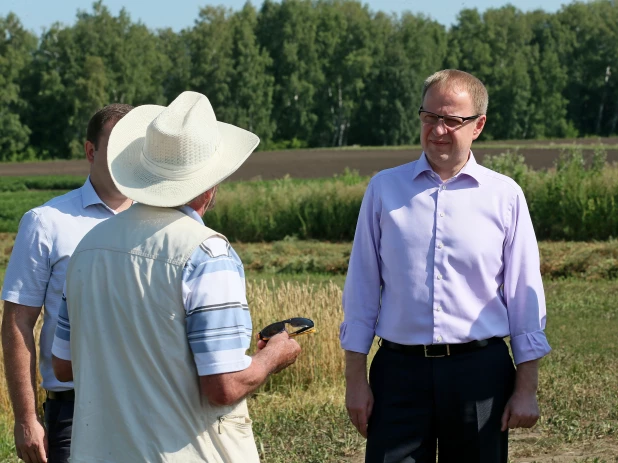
{"points": [[135, 182]]}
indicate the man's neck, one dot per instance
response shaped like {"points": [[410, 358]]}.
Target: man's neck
{"points": [[447, 171], [112, 199]]}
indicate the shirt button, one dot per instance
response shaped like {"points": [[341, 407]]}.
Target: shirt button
{"points": [[439, 308], [441, 214], [439, 276], [439, 339], [440, 246], [444, 187]]}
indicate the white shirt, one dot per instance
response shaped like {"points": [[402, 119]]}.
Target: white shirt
{"points": [[46, 238]]}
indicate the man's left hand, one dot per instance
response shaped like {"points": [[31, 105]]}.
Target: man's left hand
{"points": [[521, 411]]}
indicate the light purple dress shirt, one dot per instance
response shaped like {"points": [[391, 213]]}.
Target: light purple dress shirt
{"points": [[450, 262]]}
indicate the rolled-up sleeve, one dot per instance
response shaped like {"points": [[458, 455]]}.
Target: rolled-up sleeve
{"points": [[523, 287], [29, 269], [361, 294], [218, 320]]}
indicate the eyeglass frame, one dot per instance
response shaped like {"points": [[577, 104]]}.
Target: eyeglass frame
{"points": [[441, 117], [305, 330]]}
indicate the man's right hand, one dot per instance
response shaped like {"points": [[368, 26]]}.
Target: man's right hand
{"points": [[359, 402], [31, 441], [284, 351]]}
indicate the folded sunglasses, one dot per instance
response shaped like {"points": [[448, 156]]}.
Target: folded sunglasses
{"points": [[293, 326]]}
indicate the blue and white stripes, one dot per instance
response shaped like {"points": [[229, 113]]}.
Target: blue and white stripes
{"points": [[61, 347], [218, 320]]}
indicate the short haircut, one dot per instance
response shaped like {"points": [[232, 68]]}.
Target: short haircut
{"points": [[110, 113], [461, 81]]}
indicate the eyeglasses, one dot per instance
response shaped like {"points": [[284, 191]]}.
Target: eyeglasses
{"points": [[293, 326], [452, 122]]}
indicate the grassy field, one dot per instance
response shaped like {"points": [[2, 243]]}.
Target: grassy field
{"points": [[577, 200], [300, 416]]}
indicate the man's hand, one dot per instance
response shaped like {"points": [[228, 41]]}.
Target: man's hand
{"points": [[31, 441], [228, 388], [359, 402], [358, 395], [521, 411], [282, 349]]}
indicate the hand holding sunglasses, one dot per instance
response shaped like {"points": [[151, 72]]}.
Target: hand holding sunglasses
{"points": [[293, 326]]}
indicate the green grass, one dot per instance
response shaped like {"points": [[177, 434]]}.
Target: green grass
{"points": [[323, 261], [576, 201], [578, 391], [303, 420], [7, 445]]}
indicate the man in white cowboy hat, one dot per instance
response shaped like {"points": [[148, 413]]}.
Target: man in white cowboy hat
{"points": [[156, 324]]}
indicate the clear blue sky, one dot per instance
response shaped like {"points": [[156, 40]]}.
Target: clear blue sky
{"points": [[179, 14]]}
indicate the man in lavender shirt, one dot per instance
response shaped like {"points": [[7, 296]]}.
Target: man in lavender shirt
{"points": [[445, 264]]}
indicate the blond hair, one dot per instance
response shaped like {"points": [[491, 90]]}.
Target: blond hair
{"points": [[461, 81]]}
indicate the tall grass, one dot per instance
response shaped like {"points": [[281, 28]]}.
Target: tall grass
{"points": [[575, 201], [322, 358]]}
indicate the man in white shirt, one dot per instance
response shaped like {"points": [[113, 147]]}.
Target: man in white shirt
{"points": [[35, 276]]}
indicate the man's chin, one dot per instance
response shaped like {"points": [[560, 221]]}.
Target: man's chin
{"points": [[438, 156]]}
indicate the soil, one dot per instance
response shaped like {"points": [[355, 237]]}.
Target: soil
{"points": [[317, 163]]}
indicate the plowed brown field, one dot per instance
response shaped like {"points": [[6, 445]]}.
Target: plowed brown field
{"points": [[328, 162]]}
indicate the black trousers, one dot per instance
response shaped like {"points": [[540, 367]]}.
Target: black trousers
{"points": [[453, 403], [58, 422]]}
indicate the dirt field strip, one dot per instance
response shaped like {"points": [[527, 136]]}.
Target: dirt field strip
{"points": [[319, 163]]}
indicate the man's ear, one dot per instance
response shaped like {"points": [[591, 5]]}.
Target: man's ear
{"points": [[89, 148], [478, 126]]}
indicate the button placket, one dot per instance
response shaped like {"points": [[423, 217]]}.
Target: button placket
{"points": [[438, 262]]}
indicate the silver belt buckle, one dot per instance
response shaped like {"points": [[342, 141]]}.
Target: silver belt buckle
{"points": [[448, 352]]}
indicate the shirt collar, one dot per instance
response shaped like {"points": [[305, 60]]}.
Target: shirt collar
{"points": [[471, 168], [191, 213], [89, 196], [422, 165]]}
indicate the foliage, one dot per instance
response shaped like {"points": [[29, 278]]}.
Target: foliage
{"points": [[311, 72], [16, 49]]}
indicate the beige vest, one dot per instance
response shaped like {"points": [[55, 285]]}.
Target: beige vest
{"points": [[137, 389]]}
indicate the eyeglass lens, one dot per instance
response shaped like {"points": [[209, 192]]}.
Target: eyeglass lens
{"points": [[433, 119]]}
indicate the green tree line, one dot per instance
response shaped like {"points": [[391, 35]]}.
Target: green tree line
{"points": [[311, 73]]}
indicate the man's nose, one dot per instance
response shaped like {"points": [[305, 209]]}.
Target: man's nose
{"points": [[440, 128]]}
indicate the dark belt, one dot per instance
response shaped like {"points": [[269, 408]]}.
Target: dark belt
{"points": [[61, 395], [440, 350]]}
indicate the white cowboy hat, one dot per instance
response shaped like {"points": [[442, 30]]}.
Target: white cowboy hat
{"points": [[167, 156]]}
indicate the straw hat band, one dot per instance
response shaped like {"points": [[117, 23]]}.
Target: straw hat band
{"points": [[177, 172]]}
